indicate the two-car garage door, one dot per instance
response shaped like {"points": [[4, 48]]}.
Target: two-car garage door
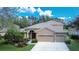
{"points": [[51, 38], [46, 38], [45, 35]]}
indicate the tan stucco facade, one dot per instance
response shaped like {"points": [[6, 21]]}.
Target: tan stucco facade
{"points": [[50, 31], [46, 35]]}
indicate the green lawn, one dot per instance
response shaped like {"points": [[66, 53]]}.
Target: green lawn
{"points": [[74, 46], [9, 47]]}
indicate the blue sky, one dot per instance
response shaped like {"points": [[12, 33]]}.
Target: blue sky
{"points": [[66, 13]]}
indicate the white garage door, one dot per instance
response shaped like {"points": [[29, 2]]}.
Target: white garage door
{"points": [[59, 38], [45, 38]]}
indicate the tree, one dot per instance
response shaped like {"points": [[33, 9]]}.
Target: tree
{"points": [[42, 18], [11, 32], [75, 23], [23, 22], [7, 13], [13, 36]]}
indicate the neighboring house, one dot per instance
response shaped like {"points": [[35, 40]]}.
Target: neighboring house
{"points": [[50, 31], [75, 32]]}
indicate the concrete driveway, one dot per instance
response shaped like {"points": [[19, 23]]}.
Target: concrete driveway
{"points": [[50, 46]]}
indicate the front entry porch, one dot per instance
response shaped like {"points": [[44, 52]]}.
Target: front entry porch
{"points": [[30, 35]]}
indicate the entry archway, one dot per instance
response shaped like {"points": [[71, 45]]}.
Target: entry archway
{"points": [[32, 34]]}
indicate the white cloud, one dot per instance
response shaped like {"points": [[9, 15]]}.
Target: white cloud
{"points": [[26, 9], [23, 9], [39, 10], [20, 17], [41, 13], [69, 17], [26, 16], [46, 12], [32, 10], [62, 18]]}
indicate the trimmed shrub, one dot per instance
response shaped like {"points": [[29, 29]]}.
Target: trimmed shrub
{"points": [[20, 44], [75, 37], [13, 36], [67, 41], [34, 40]]}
